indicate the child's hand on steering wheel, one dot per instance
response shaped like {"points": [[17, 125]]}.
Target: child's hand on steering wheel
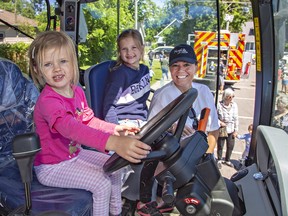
{"points": [[123, 130]]}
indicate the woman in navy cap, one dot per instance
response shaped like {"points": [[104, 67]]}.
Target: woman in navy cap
{"points": [[183, 66]]}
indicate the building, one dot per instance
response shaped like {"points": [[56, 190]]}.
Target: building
{"points": [[9, 34], [248, 30]]}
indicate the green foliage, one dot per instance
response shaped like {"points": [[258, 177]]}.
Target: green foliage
{"points": [[146, 9], [101, 19], [30, 30], [201, 16], [17, 53], [156, 67], [241, 11], [42, 20], [22, 7]]}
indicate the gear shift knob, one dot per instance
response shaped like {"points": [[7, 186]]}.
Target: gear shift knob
{"points": [[25, 147]]}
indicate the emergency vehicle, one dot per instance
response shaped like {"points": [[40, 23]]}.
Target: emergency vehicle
{"points": [[233, 55]]}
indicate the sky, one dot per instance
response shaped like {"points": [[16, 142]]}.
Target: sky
{"points": [[159, 2]]}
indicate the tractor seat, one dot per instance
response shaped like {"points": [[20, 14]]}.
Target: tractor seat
{"points": [[17, 99], [95, 79]]}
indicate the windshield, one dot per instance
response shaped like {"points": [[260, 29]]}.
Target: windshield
{"points": [[280, 116]]}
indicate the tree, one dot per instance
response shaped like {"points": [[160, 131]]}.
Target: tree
{"points": [[198, 15], [101, 18], [241, 11], [175, 21], [38, 5], [190, 17], [23, 7]]}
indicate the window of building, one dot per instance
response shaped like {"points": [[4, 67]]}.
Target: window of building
{"points": [[250, 46], [1, 36], [251, 31]]}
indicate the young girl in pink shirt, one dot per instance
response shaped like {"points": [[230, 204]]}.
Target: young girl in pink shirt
{"points": [[64, 122]]}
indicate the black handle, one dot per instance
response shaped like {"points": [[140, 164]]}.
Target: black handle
{"points": [[168, 190]]}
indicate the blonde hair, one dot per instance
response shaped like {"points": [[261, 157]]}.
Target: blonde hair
{"points": [[137, 37], [47, 40]]}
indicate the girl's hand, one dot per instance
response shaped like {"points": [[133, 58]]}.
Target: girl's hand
{"points": [[128, 148], [123, 130]]}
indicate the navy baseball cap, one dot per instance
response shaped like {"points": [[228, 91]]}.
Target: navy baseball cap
{"points": [[182, 52]]}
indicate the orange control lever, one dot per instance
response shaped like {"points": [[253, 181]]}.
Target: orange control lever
{"points": [[203, 119]]}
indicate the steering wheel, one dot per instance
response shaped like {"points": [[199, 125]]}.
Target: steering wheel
{"points": [[157, 126]]}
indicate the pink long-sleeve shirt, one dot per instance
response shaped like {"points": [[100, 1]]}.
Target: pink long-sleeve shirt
{"points": [[63, 124]]}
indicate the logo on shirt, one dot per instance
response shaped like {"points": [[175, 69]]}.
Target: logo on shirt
{"points": [[135, 91]]}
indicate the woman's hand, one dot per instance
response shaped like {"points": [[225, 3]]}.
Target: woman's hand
{"points": [[123, 130], [128, 148], [187, 131], [222, 124]]}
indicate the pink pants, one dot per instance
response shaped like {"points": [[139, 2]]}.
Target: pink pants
{"points": [[86, 172]]}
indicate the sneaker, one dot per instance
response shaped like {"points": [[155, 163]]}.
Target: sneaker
{"points": [[228, 163], [148, 209], [219, 164], [166, 208], [128, 207]]}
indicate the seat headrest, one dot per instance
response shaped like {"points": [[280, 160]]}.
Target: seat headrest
{"points": [[18, 96], [95, 81]]}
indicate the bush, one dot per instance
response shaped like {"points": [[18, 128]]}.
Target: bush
{"points": [[18, 53]]}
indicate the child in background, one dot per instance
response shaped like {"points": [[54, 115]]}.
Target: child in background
{"points": [[64, 122], [128, 86], [247, 138]]}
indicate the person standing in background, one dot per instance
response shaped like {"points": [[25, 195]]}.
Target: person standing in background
{"points": [[150, 57], [164, 67], [228, 118], [280, 118]]}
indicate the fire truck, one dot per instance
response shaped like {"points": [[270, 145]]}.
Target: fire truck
{"points": [[235, 59]]}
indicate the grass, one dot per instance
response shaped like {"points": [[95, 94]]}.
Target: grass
{"points": [[156, 67]]}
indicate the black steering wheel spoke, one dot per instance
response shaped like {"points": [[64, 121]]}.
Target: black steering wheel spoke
{"points": [[155, 127], [180, 125]]}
